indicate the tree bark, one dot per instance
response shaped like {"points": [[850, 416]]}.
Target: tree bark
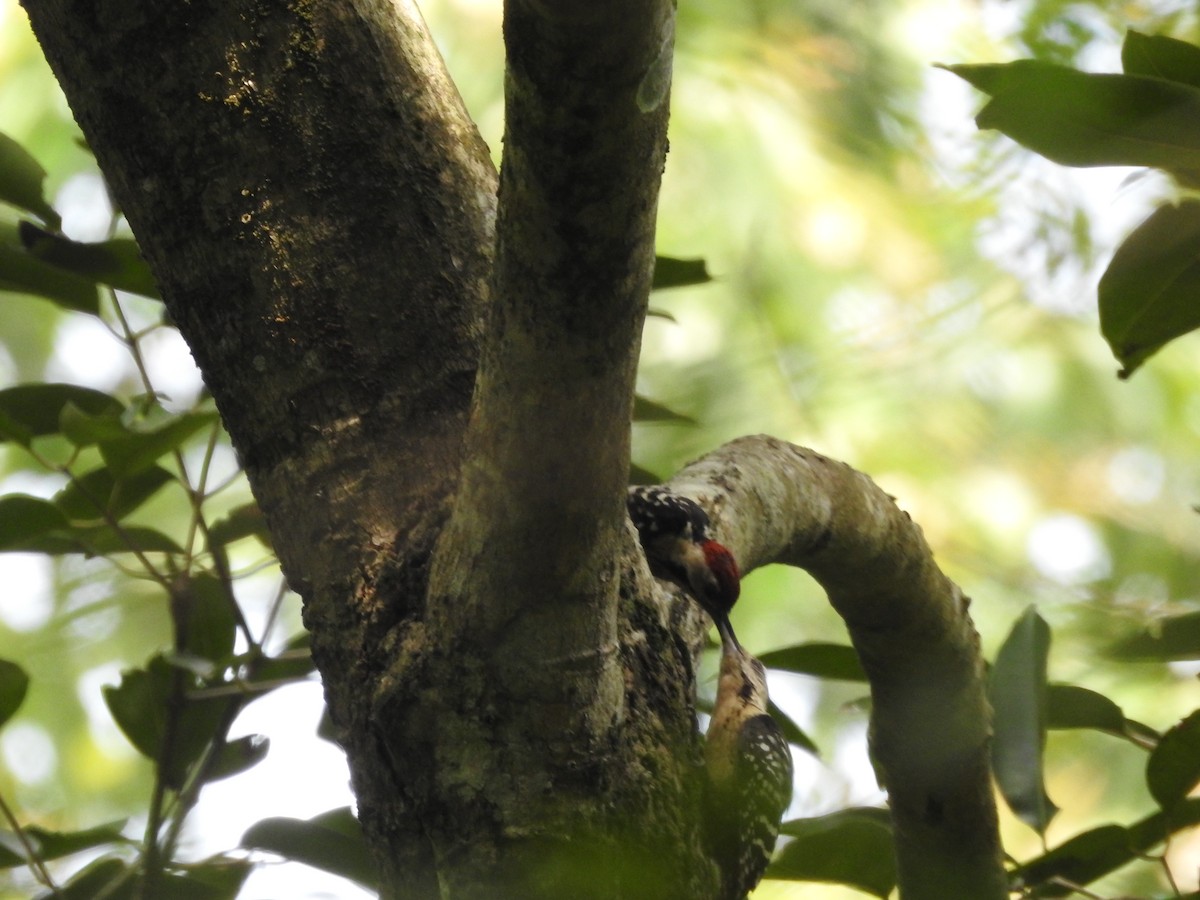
{"points": [[319, 212], [524, 601]]}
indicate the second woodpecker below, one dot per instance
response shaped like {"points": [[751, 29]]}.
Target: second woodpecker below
{"points": [[749, 768]]}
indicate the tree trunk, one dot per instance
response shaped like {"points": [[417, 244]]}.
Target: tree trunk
{"points": [[428, 375], [320, 214]]}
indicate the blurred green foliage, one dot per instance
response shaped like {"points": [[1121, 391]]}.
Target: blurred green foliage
{"points": [[890, 287]]}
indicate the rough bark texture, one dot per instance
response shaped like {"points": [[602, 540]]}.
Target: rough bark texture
{"points": [[930, 720], [524, 593], [319, 212]]}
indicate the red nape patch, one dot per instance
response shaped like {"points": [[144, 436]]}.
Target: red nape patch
{"points": [[722, 564]]}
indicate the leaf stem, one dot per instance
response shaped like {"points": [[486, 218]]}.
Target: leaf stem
{"points": [[36, 864]]}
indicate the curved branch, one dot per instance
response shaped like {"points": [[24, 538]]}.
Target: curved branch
{"points": [[775, 502]]}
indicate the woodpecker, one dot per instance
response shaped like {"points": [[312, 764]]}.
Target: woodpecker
{"points": [[747, 760], [673, 531], [749, 768]]}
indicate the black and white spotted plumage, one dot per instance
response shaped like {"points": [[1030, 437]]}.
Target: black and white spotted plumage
{"points": [[749, 768], [674, 533], [747, 759], [656, 512]]}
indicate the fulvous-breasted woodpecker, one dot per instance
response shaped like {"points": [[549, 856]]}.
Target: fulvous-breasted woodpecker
{"points": [[749, 768], [747, 759], [673, 531]]}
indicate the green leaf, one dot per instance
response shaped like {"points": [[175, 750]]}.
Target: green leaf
{"points": [[56, 844], [14, 683], [1017, 690], [1147, 294], [107, 877], [217, 878], [244, 521], [1080, 860], [648, 411], [340, 820], [1080, 119], [24, 519], [99, 491], [332, 842], [293, 663], [33, 410], [84, 429], [835, 661], [1174, 638], [138, 706], [101, 540], [1068, 706], [204, 619], [22, 182], [236, 756], [1096, 853], [1157, 827], [1161, 57], [22, 273], [143, 704], [670, 272], [137, 450], [117, 262], [853, 846], [792, 732], [1174, 766]]}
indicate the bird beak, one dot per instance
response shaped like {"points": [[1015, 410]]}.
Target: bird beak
{"points": [[729, 641]]}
